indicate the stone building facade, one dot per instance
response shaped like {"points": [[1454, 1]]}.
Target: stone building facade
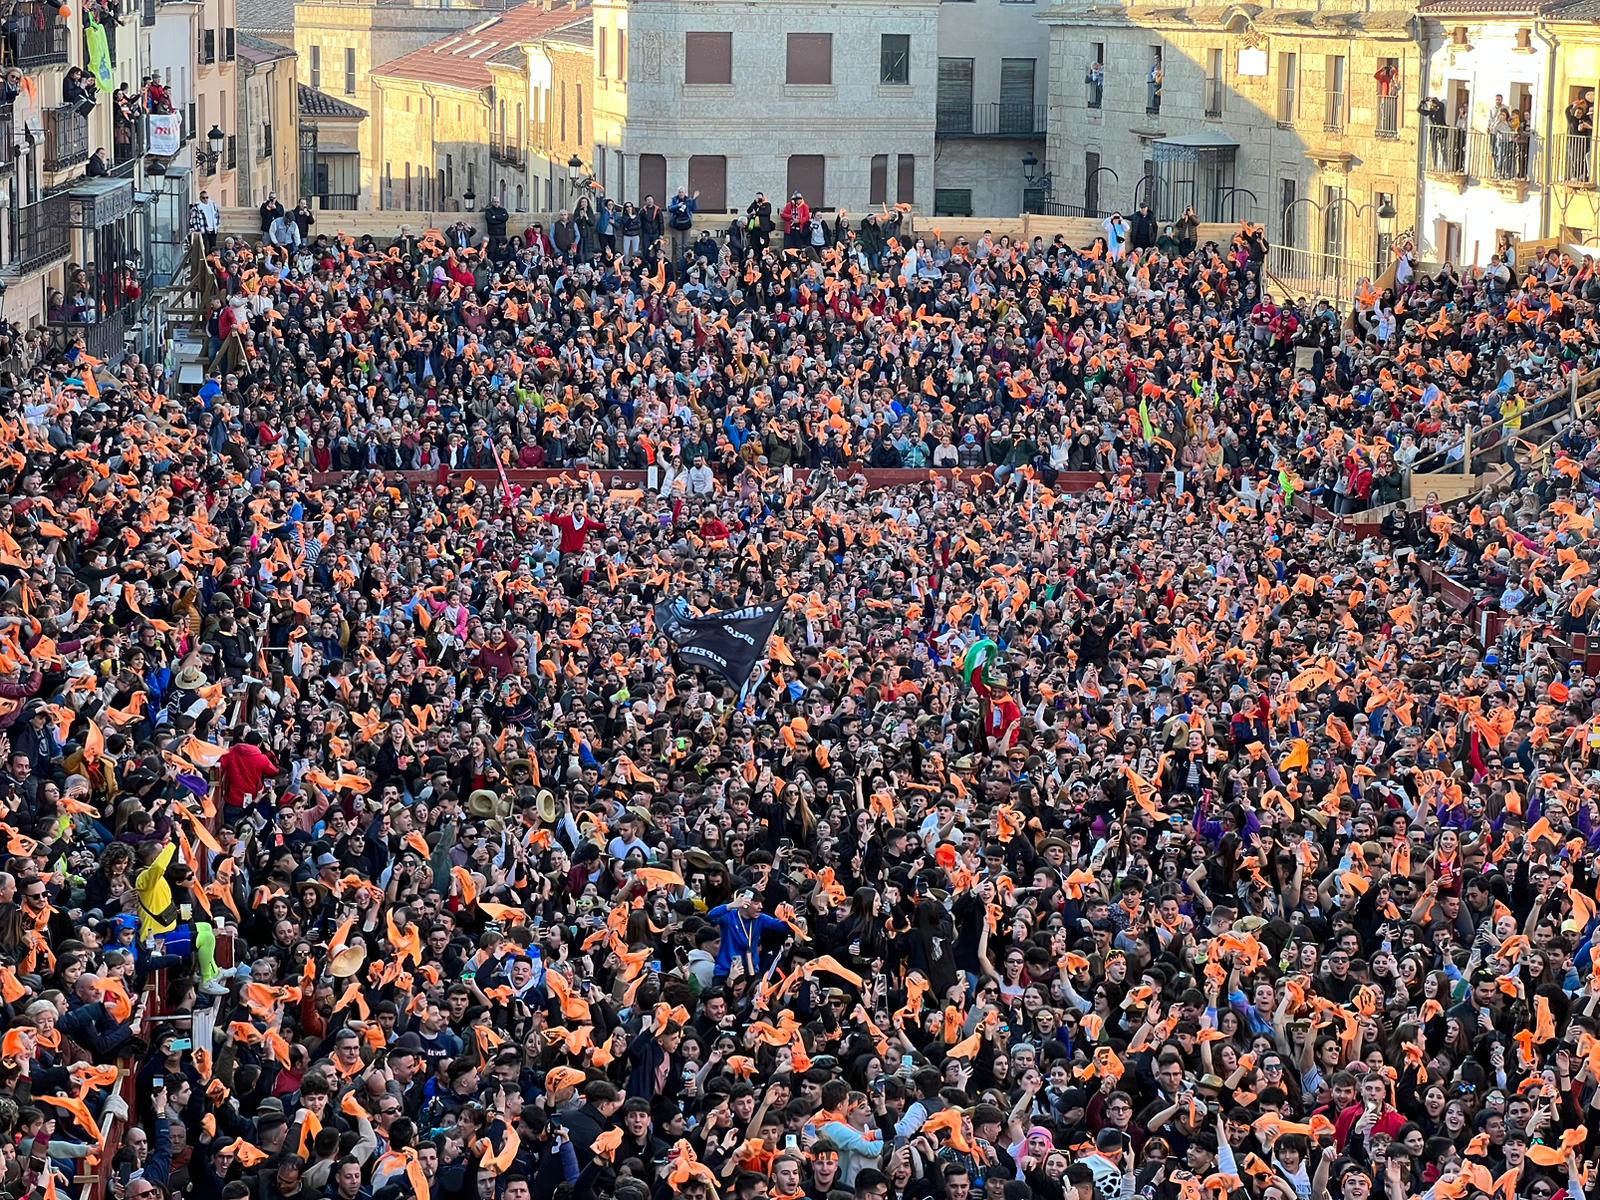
{"points": [[994, 80], [728, 97], [339, 43], [451, 123], [1301, 116]]}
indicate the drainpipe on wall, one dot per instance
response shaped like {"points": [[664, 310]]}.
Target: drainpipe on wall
{"points": [[1545, 206], [1423, 38]]}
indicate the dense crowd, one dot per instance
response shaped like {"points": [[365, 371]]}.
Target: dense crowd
{"points": [[1072, 838]]}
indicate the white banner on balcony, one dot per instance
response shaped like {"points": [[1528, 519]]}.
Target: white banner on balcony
{"points": [[163, 131]]}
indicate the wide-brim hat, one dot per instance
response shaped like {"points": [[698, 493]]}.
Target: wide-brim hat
{"points": [[348, 961]]}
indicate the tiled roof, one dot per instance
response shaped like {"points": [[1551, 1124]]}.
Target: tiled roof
{"points": [[1578, 10], [267, 16], [462, 59], [1479, 8], [260, 50], [315, 103]]}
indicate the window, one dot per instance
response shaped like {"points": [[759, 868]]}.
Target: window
{"points": [[708, 58], [448, 176], [563, 110], [953, 113], [1387, 82], [708, 175], [952, 202], [350, 71], [807, 174], [266, 140], [580, 135], [1458, 36], [1095, 77], [1450, 241], [878, 180], [1288, 193], [408, 185], [600, 53], [1524, 38], [1091, 183], [622, 56], [652, 176], [1333, 103], [600, 167], [316, 66], [906, 183], [1214, 82], [810, 59], [1288, 88], [1016, 113], [894, 58], [1332, 221]]}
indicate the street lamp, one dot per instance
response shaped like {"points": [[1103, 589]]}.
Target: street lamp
{"points": [[216, 139], [1034, 179], [469, 198]]}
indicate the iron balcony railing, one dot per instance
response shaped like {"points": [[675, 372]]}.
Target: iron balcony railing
{"points": [[1505, 156], [8, 139], [1333, 113], [1288, 106], [66, 138], [1213, 97], [336, 200], [1575, 165], [992, 120], [1388, 122], [36, 36], [37, 235], [104, 339]]}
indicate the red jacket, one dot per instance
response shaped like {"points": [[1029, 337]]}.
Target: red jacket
{"points": [[243, 768]]}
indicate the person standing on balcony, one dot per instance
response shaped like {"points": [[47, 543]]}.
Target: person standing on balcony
{"points": [[1152, 83], [1431, 110], [1500, 137], [1580, 135], [1096, 79], [1458, 135]]}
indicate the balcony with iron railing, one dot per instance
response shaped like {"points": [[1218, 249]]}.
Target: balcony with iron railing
{"points": [[1509, 157], [130, 145], [1214, 88], [1575, 166], [1333, 113], [336, 200], [66, 138], [37, 235], [1095, 91], [104, 339], [991, 120], [1288, 106], [503, 150], [36, 36], [1388, 117], [8, 139]]}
